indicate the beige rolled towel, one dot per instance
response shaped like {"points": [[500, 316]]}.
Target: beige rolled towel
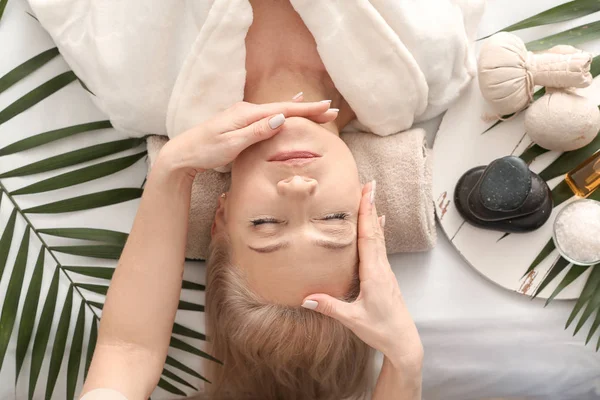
{"points": [[400, 163]]}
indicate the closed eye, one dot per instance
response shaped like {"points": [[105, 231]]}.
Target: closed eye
{"points": [[262, 221], [336, 216]]}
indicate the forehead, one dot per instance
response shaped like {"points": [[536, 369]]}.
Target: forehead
{"points": [[290, 274]]}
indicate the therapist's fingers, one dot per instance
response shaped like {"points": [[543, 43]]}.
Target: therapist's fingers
{"points": [[243, 114], [264, 129], [371, 240], [368, 221], [330, 306], [327, 116]]}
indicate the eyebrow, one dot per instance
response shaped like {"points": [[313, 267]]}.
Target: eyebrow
{"points": [[270, 248], [327, 244]]}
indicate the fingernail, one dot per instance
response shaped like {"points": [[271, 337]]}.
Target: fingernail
{"points": [[310, 304], [298, 95], [382, 221], [325, 101], [276, 121], [373, 187], [334, 109]]}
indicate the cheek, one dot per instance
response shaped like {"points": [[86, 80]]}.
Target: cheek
{"points": [[245, 172], [343, 175]]}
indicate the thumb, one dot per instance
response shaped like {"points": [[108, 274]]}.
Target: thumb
{"points": [[330, 306]]}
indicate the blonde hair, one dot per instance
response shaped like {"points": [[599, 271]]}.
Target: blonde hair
{"points": [[272, 351]]}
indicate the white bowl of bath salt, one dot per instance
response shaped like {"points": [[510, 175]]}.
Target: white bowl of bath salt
{"points": [[577, 232]]}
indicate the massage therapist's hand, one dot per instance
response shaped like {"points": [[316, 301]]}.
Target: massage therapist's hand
{"points": [[219, 140], [378, 316]]}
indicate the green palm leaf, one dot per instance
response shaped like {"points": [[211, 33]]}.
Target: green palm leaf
{"points": [[94, 272], [573, 37], [88, 201], [13, 294], [107, 273], [31, 15], [60, 343], [103, 289], [548, 248], [574, 273], [91, 347], [595, 196], [75, 355], [170, 388], [43, 333], [564, 12], [559, 265], [184, 331], [6, 240], [27, 68], [182, 367], [29, 311], [561, 193], [184, 305], [99, 289], [36, 95], [99, 306], [587, 292], [192, 286], [51, 136], [82, 175], [177, 379], [592, 306], [83, 85], [532, 153], [594, 327], [595, 67], [569, 160], [97, 235], [2, 7], [188, 348], [110, 243], [107, 252], [74, 157]]}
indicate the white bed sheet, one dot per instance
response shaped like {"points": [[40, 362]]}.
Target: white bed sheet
{"points": [[480, 340]]}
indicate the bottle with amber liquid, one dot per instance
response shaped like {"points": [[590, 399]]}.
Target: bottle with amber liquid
{"points": [[584, 179]]}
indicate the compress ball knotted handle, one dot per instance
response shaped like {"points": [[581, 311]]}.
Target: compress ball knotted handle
{"points": [[508, 72]]}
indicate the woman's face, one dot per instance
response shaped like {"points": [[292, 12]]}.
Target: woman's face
{"points": [[291, 214]]}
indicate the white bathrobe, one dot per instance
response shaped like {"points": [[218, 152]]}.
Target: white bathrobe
{"points": [[163, 66]]}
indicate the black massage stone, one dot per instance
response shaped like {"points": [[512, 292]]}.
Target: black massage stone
{"points": [[505, 184], [504, 196]]}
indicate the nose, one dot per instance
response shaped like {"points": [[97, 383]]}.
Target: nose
{"points": [[297, 186]]}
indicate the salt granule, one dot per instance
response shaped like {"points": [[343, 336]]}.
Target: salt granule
{"points": [[577, 231]]}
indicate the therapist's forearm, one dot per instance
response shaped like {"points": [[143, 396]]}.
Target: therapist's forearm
{"points": [[145, 289], [400, 381], [141, 303]]}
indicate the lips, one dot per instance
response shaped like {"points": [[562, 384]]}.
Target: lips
{"points": [[294, 156]]}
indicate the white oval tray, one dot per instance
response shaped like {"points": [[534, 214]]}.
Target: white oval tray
{"points": [[461, 144]]}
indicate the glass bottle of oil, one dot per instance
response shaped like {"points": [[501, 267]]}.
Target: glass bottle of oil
{"points": [[585, 178]]}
